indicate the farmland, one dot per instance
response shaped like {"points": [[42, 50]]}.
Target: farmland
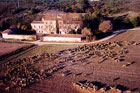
{"points": [[5, 48], [111, 66], [65, 69], [9, 49]]}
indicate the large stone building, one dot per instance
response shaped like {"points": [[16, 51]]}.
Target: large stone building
{"points": [[56, 22]]}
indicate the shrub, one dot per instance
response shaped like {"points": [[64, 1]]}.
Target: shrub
{"points": [[136, 21], [127, 23], [106, 26], [86, 32], [72, 32], [91, 21], [78, 31]]}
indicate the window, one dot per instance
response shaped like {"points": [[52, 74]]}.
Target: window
{"points": [[60, 22], [52, 32], [34, 26], [50, 27], [60, 27]]}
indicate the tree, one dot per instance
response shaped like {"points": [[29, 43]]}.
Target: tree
{"points": [[86, 32], [136, 21], [106, 26], [92, 21], [127, 23], [72, 32], [83, 5], [24, 27], [19, 25]]}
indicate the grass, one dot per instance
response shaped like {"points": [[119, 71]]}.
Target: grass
{"points": [[54, 48], [12, 41], [47, 49], [133, 35]]}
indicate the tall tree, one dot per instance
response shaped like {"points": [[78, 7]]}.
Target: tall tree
{"points": [[83, 4]]}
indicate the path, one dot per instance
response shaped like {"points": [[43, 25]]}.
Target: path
{"points": [[39, 43]]}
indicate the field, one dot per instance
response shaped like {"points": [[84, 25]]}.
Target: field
{"points": [[6, 48], [113, 64], [130, 35]]}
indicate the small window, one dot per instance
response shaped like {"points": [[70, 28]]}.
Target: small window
{"points": [[60, 27], [52, 32], [60, 22], [34, 26]]}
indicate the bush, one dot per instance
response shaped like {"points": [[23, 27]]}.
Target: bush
{"points": [[78, 31], [92, 21], [122, 22], [127, 23], [72, 32], [106, 26], [86, 32], [136, 21]]}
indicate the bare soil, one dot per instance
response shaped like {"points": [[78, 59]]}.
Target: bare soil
{"points": [[91, 70], [114, 62], [6, 48]]}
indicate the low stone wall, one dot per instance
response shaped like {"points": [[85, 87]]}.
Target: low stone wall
{"points": [[21, 37], [59, 38]]}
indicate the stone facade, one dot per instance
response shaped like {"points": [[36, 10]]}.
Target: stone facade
{"points": [[55, 22]]}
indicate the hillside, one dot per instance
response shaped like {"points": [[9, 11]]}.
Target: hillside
{"points": [[114, 63], [130, 35]]}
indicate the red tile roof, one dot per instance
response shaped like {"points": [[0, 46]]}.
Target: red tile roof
{"points": [[49, 17], [37, 22], [6, 31]]}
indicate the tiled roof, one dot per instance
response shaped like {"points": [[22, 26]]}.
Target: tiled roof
{"points": [[6, 31], [49, 17], [53, 12], [37, 22]]}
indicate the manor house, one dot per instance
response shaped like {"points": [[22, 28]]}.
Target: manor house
{"points": [[56, 22]]}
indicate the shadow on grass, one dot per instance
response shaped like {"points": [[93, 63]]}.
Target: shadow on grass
{"points": [[103, 35]]}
